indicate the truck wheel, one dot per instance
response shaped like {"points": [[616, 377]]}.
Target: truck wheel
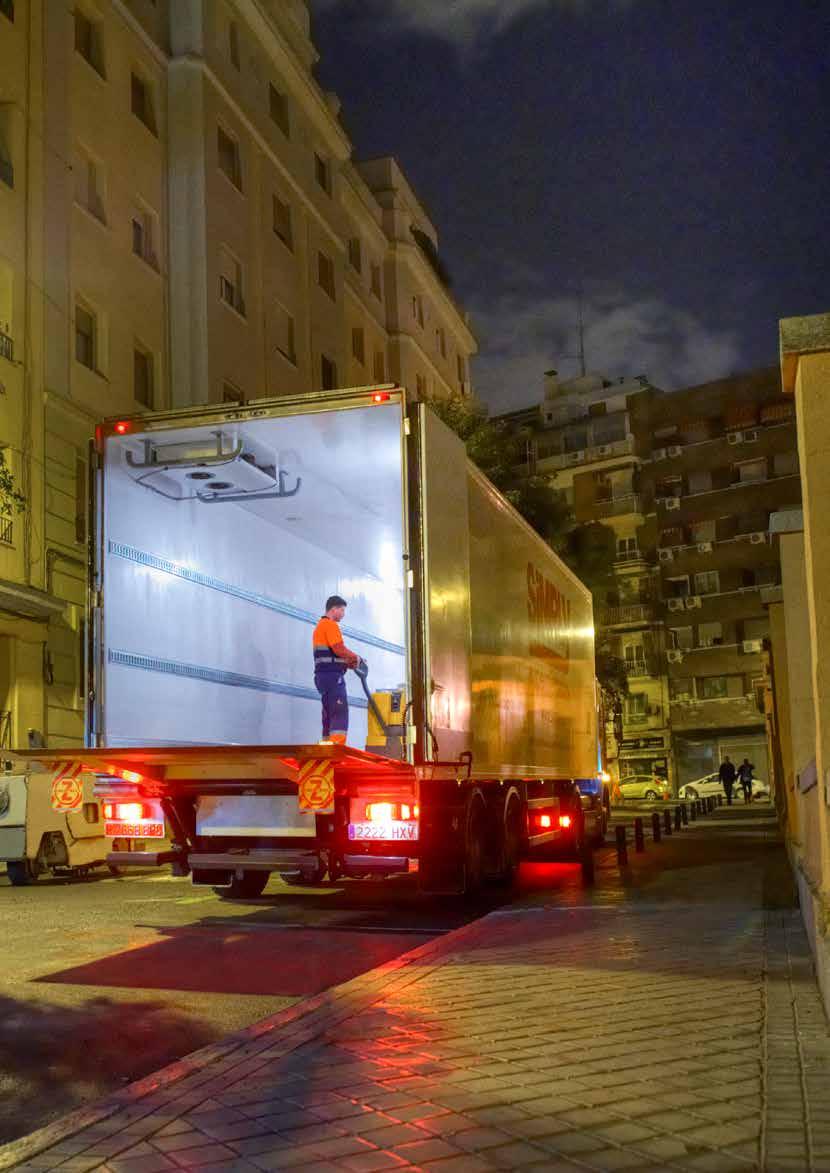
{"points": [[245, 887], [475, 846], [22, 872], [512, 842]]}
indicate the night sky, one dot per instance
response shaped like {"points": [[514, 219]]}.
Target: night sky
{"points": [[671, 158]]}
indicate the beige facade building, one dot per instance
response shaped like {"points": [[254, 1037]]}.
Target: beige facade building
{"points": [[181, 222], [798, 660]]}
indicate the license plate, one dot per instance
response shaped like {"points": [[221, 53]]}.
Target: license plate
{"points": [[396, 829], [143, 829]]}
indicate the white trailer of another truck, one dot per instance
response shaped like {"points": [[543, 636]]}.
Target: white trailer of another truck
{"points": [[217, 535]]}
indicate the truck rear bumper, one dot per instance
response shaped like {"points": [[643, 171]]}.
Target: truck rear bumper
{"points": [[286, 859], [384, 865], [141, 859]]}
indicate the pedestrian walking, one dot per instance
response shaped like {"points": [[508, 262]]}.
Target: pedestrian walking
{"points": [[745, 771], [726, 774]]}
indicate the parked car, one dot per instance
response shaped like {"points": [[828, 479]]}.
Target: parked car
{"points": [[710, 784], [647, 786]]}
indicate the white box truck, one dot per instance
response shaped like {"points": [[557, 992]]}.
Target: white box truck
{"points": [[218, 533]]}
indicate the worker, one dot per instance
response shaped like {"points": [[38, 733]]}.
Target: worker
{"points": [[331, 660]]}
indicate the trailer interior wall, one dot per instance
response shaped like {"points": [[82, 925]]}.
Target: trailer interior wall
{"points": [[210, 607]]}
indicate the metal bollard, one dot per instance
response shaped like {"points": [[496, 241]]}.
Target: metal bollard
{"points": [[586, 859], [693, 811], [622, 846], [639, 837], [667, 822], [678, 818], [684, 813], [699, 805], [711, 803], [720, 800], [656, 830]]}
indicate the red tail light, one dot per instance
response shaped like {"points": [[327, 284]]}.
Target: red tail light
{"points": [[544, 821], [564, 821], [122, 427], [128, 812], [381, 397]]}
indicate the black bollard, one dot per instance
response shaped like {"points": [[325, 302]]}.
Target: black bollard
{"points": [[656, 831], [711, 802], [639, 837], [622, 846], [667, 822], [699, 805], [693, 810], [729, 798], [720, 800], [586, 859], [678, 818]]}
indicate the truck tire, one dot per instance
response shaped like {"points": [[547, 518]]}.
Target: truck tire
{"points": [[511, 846], [245, 887], [475, 845], [22, 872]]}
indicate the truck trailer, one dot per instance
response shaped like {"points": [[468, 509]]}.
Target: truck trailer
{"points": [[216, 535]]}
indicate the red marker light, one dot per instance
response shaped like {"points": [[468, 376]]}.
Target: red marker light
{"points": [[380, 397], [564, 820], [121, 427], [544, 820]]}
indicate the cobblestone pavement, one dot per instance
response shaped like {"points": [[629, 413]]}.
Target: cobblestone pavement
{"points": [[649, 1034]]}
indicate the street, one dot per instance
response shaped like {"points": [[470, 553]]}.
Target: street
{"points": [[107, 979]]}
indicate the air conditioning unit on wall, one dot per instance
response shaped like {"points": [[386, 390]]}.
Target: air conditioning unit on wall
{"points": [[675, 450], [658, 454], [676, 604], [674, 656], [750, 436], [734, 437], [751, 646], [757, 539], [704, 547], [693, 601], [665, 554], [671, 503]]}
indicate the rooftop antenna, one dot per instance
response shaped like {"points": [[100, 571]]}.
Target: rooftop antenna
{"points": [[581, 329]]}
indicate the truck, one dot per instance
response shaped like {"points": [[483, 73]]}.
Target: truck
{"points": [[217, 533]]}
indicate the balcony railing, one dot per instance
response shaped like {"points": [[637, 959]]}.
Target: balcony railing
{"points": [[628, 613], [6, 347], [616, 506], [6, 531]]}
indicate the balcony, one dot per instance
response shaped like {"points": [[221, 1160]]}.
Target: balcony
{"points": [[628, 613], [6, 347], [590, 455], [618, 506], [724, 713]]}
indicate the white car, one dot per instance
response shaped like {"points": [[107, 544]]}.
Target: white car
{"points": [[710, 784]]}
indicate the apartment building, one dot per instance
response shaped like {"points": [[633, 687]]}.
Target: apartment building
{"points": [[688, 482], [724, 459], [181, 222]]}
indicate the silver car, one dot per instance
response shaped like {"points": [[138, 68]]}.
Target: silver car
{"points": [[646, 786]]}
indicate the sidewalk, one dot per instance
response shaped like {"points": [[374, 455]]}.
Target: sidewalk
{"points": [[668, 1021]]}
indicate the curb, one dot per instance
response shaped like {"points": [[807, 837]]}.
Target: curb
{"points": [[282, 1032]]}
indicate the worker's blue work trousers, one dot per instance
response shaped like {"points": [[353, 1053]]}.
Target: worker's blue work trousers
{"points": [[332, 689]]}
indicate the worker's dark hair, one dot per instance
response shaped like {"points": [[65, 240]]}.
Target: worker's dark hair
{"points": [[335, 601]]}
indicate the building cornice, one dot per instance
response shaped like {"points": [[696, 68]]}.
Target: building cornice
{"points": [[415, 259], [798, 336], [152, 46]]}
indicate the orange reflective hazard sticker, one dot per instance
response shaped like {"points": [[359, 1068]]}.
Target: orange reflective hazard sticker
{"points": [[315, 787], [68, 788]]}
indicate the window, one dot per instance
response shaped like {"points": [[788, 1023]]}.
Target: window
{"points": [[85, 337], [678, 587], [328, 373], [441, 341], [89, 184], [325, 274], [283, 222], [707, 582], [418, 308], [379, 367], [88, 42], [575, 439], [635, 659], [752, 470], [376, 285], [229, 158], [681, 637], [359, 344], [278, 106], [7, 9], [233, 44], [610, 428], [637, 707], [285, 334], [712, 687], [143, 233], [785, 464], [6, 312], [322, 173], [141, 102], [700, 480], [704, 531], [6, 162], [355, 254], [230, 281], [80, 500], [627, 549], [142, 376], [709, 635], [231, 394]]}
